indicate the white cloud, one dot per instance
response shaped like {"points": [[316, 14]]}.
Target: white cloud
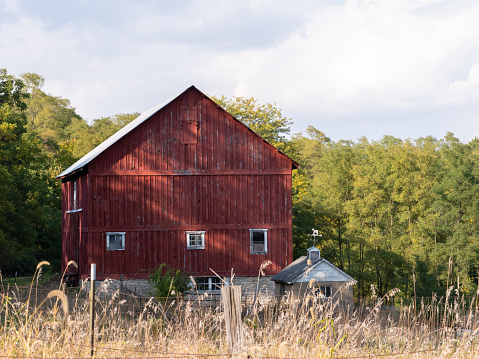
{"points": [[368, 55], [465, 91], [363, 62]]}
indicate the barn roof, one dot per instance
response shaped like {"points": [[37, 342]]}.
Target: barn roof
{"points": [[82, 162], [299, 267]]}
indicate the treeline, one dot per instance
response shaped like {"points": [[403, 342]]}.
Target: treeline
{"points": [[392, 213], [40, 135]]}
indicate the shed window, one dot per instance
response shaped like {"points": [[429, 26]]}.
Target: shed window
{"points": [[115, 241], [195, 239], [210, 284], [324, 291], [258, 241]]}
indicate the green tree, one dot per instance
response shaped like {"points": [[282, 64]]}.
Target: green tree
{"points": [[47, 115], [264, 119], [333, 188], [455, 209], [30, 201], [167, 282], [308, 211], [84, 137]]}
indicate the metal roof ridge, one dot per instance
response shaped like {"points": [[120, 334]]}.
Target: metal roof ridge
{"points": [[114, 138]]}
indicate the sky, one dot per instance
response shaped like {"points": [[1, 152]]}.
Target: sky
{"points": [[351, 68]]}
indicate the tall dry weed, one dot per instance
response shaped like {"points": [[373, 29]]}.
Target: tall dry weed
{"points": [[316, 327]]}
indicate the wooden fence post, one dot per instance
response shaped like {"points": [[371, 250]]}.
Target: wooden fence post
{"points": [[231, 297], [92, 308]]}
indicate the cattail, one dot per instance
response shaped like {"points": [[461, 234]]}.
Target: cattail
{"points": [[42, 263], [255, 352], [72, 263], [283, 347], [264, 265], [61, 296]]}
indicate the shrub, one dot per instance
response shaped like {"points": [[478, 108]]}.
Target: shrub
{"points": [[166, 281]]}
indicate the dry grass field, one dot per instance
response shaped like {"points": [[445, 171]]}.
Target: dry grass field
{"points": [[36, 323]]}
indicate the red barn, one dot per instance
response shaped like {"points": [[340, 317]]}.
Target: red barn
{"points": [[184, 184]]}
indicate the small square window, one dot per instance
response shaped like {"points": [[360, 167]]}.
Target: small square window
{"points": [[210, 284], [258, 241], [195, 239], [324, 291], [202, 284], [115, 241]]}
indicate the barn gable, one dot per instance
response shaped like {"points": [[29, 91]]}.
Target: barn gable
{"points": [[187, 128]]}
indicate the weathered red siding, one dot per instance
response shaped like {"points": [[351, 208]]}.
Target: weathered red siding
{"points": [[191, 166], [75, 223]]}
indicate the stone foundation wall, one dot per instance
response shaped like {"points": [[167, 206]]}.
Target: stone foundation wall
{"points": [[138, 287], [248, 286], [142, 288]]}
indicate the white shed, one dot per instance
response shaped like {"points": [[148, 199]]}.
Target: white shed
{"points": [[332, 282]]}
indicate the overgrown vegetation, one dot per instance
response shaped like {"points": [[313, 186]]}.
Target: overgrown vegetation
{"points": [[58, 326], [167, 282]]}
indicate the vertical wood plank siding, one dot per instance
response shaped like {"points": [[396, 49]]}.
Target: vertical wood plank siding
{"points": [[157, 182], [75, 224]]}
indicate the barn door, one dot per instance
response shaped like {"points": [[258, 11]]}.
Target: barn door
{"points": [[188, 125]]}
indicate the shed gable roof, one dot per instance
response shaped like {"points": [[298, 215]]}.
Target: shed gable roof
{"points": [[300, 267], [82, 162]]}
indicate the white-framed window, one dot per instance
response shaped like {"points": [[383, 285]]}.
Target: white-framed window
{"points": [[195, 239], [324, 291], [208, 284], [75, 200], [115, 241], [258, 241], [74, 195]]}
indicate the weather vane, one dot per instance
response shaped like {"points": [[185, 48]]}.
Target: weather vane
{"points": [[314, 235]]}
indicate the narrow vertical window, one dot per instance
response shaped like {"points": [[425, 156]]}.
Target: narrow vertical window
{"points": [[258, 241], [73, 202], [75, 195]]}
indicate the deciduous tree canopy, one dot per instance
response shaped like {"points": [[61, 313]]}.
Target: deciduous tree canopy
{"points": [[395, 213], [264, 119]]}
